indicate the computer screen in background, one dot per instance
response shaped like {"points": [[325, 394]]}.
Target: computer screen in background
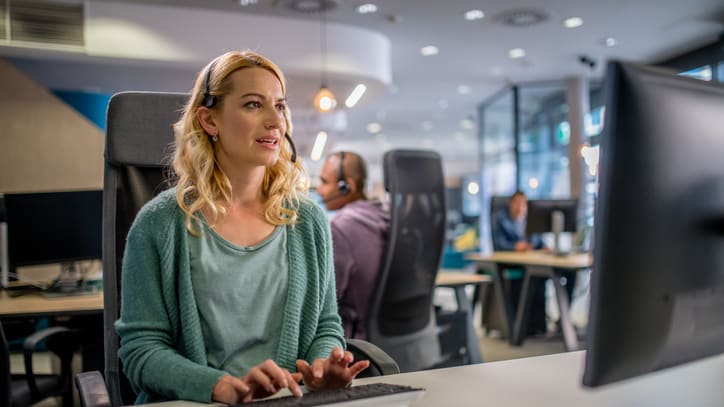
{"points": [[658, 277], [52, 227], [552, 216]]}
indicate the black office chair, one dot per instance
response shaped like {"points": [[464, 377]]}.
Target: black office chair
{"points": [[20, 390], [401, 318], [138, 140]]}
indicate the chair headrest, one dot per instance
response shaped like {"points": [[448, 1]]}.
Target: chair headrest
{"points": [[144, 120], [412, 171]]}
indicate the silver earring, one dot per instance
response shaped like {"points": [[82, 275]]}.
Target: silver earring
{"points": [[215, 138]]}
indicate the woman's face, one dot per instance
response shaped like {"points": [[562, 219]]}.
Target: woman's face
{"points": [[251, 120]]}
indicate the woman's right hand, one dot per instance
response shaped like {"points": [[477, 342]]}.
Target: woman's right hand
{"points": [[261, 381]]}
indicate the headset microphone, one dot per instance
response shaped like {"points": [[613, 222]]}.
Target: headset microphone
{"points": [[333, 197], [294, 149]]}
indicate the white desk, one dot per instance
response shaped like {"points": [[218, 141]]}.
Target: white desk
{"points": [[555, 380]]}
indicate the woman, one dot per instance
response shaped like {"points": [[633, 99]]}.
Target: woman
{"points": [[228, 280]]}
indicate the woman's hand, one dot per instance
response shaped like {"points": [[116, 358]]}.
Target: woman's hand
{"points": [[332, 373], [261, 381]]}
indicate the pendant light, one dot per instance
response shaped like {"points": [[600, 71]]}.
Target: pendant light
{"points": [[324, 100]]}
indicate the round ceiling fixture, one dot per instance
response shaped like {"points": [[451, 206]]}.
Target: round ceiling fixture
{"points": [[312, 6], [521, 17]]}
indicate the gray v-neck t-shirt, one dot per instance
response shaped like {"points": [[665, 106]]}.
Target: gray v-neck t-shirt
{"points": [[240, 294]]}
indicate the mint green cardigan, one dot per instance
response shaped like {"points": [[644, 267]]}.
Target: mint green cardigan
{"points": [[162, 346]]}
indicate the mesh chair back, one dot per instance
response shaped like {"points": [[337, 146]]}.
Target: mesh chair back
{"points": [[402, 321], [139, 137]]}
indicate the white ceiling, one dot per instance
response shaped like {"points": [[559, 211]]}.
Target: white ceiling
{"points": [[474, 54]]}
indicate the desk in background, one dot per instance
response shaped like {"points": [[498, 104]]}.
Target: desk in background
{"points": [[86, 310], [554, 380], [36, 305], [536, 264], [458, 281]]}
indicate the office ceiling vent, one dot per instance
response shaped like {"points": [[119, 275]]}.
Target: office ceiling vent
{"points": [[521, 17], [311, 6], [46, 22]]}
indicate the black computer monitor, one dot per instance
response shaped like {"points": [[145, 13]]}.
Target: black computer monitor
{"points": [[540, 215], [52, 227], [657, 286]]}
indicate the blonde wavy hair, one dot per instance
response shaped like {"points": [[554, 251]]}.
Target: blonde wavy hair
{"points": [[201, 183]]}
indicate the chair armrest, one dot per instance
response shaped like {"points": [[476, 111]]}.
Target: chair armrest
{"points": [[92, 389], [68, 346], [380, 360]]}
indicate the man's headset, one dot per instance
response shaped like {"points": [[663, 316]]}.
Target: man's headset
{"points": [[343, 187], [342, 184], [209, 101]]}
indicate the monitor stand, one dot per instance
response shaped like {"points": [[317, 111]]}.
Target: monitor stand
{"points": [[69, 282], [4, 263], [557, 222]]}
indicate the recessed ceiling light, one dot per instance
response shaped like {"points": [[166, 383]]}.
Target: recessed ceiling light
{"points": [[472, 15], [573, 22], [516, 53], [374, 127], [367, 8], [245, 3], [428, 50], [463, 89], [609, 42]]}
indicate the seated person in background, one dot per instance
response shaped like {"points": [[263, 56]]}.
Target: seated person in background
{"points": [[359, 234], [509, 226], [227, 283]]}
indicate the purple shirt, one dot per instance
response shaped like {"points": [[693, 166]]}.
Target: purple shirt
{"points": [[359, 235]]}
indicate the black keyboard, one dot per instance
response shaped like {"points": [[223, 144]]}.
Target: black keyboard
{"points": [[318, 398]]}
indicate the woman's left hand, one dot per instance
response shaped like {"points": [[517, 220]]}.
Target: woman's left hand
{"points": [[335, 372]]}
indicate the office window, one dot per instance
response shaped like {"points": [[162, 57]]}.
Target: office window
{"points": [[720, 71], [544, 138], [496, 135]]}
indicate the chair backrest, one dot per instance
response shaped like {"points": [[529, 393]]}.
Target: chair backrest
{"points": [[401, 318], [497, 203], [4, 369], [139, 136]]}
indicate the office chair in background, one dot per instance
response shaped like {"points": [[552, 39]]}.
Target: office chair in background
{"points": [[138, 139], [21, 390], [401, 319]]}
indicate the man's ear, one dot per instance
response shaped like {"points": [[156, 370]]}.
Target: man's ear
{"points": [[206, 119], [352, 185]]}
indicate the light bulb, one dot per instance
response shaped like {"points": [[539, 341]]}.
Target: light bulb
{"points": [[325, 101]]}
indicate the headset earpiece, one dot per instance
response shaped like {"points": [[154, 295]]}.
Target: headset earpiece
{"points": [[342, 184]]}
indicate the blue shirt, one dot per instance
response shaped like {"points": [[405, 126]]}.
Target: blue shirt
{"points": [[508, 231]]}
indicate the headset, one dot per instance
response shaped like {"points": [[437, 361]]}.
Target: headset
{"points": [[342, 184], [209, 101]]}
